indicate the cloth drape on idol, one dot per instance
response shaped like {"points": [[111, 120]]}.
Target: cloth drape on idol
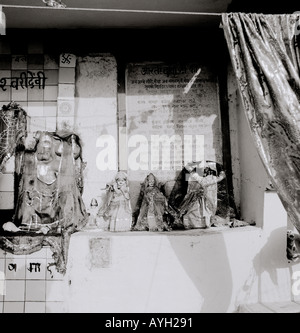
{"points": [[48, 188], [200, 197], [265, 56]]}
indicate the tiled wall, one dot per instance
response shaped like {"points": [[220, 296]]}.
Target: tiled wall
{"points": [[39, 102], [29, 283], [26, 285]]}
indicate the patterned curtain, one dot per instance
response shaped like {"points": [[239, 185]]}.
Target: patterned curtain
{"points": [[265, 57]]}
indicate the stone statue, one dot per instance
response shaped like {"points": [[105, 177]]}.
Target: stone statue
{"points": [[152, 207], [115, 213]]}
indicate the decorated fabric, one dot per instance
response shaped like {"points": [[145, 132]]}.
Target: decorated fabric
{"points": [[151, 210], [13, 130], [48, 189], [200, 201], [265, 57], [200, 191]]}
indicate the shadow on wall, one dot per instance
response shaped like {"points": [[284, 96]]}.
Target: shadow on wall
{"points": [[272, 255], [210, 274], [271, 269]]}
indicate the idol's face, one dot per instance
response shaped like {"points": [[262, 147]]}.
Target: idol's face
{"points": [[120, 182], [151, 181], [44, 148]]}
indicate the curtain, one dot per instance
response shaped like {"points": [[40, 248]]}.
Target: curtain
{"points": [[265, 58]]}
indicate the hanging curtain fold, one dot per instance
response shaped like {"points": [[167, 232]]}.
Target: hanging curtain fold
{"points": [[265, 58]]}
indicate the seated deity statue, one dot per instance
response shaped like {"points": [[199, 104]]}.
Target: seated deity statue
{"points": [[115, 213], [152, 207]]}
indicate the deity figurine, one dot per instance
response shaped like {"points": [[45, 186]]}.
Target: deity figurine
{"points": [[49, 179], [152, 207], [200, 201], [115, 213]]}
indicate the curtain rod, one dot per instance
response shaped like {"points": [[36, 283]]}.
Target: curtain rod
{"points": [[132, 10], [113, 10]]}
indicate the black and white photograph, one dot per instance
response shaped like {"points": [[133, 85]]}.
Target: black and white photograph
{"points": [[149, 159]]}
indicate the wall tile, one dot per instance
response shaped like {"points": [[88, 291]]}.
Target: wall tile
{"points": [[37, 124], [6, 182], [35, 307], [35, 290], [50, 109], [55, 291], [35, 94], [35, 61], [65, 123], [66, 91], [36, 79], [15, 256], [35, 109], [35, 269], [13, 307], [50, 93], [51, 124], [19, 61], [55, 307], [2, 280], [67, 60], [7, 200], [51, 61], [15, 290], [5, 73], [66, 108], [2, 267], [15, 269], [52, 77], [67, 75], [19, 95], [5, 95], [2, 290], [5, 91]]}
